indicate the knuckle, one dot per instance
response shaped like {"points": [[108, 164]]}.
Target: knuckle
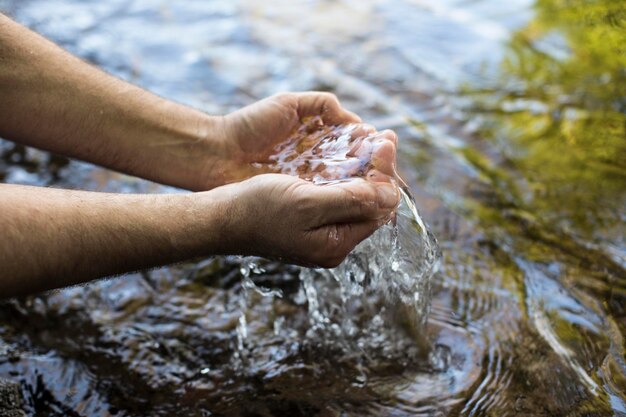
{"points": [[307, 206], [367, 207], [327, 102], [364, 204], [332, 101]]}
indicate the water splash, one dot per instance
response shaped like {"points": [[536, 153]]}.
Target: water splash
{"points": [[376, 302]]}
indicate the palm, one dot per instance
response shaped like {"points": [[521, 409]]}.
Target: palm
{"points": [[254, 132], [259, 127]]}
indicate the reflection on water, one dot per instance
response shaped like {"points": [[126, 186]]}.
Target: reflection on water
{"points": [[512, 124], [558, 110]]}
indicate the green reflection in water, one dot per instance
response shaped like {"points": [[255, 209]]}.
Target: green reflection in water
{"points": [[559, 113], [551, 186]]}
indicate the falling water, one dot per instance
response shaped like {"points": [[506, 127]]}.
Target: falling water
{"points": [[511, 115], [376, 302]]}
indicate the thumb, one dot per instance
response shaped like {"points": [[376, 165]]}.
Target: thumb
{"points": [[353, 201], [327, 106], [340, 239]]}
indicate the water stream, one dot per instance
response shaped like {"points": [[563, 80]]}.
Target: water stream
{"points": [[511, 118], [375, 304]]}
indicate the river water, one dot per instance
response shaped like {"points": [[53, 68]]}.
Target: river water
{"points": [[512, 126]]}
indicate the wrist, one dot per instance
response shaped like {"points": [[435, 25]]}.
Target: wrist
{"points": [[194, 147], [215, 156], [208, 221]]}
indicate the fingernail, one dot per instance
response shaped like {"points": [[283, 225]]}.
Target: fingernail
{"points": [[387, 196]]}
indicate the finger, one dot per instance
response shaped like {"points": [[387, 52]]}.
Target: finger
{"points": [[362, 149], [384, 156], [360, 137], [355, 233], [375, 175], [378, 151], [391, 135], [366, 133], [362, 130], [340, 239], [340, 170], [327, 106], [353, 201]]}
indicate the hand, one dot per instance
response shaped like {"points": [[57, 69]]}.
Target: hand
{"points": [[250, 135], [286, 218]]}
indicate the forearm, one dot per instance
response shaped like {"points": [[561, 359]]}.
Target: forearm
{"points": [[53, 238], [52, 100]]}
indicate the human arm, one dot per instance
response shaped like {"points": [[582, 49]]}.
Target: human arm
{"points": [[53, 238], [54, 101]]}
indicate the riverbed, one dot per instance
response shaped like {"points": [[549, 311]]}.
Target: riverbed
{"points": [[512, 125]]}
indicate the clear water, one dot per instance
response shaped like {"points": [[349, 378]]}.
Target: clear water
{"points": [[372, 306], [511, 118], [375, 304], [329, 154]]}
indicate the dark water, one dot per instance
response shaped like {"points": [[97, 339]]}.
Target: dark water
{"points": [[512, 119]]}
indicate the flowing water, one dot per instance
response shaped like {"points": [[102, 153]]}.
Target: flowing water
{"points": [[376, 302], [512, 125]]}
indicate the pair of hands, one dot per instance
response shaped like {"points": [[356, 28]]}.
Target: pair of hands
{"points": [[285, 217]]}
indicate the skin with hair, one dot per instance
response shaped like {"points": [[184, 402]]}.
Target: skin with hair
{"points": [[52, 238]]}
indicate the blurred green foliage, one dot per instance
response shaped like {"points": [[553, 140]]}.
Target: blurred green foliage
{"points": [[558, 110]]}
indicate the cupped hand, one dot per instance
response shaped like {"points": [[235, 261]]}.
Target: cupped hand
{"points": [[286, 218], [250, 135]]}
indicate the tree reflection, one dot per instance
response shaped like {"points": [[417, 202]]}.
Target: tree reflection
{"points": [[560, 108]]}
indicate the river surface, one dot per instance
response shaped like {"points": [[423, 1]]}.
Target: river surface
{"points": [[512, 124]]}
